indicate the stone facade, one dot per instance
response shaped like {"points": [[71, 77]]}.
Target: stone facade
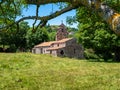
{"points": [[62, 47], [61, 32]]}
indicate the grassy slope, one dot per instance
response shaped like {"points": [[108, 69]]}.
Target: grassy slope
{"points": [[25, 71]]}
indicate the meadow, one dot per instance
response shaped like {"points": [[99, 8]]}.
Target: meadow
{"points": [[26, 71]]}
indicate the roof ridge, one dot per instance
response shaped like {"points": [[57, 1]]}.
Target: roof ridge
{"points": [[53, 42]]}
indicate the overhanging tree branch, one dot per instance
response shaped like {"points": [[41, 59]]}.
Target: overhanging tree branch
{"points": [[44, 19], [41, 2], [104, 11], [37, 11]]}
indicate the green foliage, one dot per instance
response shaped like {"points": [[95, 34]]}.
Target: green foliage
{"points": [[20, 36], [25, 71], [51, 31], [90, 54], [9, 10], [71, 19], [52, 36], [34, 38], [94, 33], [115, 4], [14, 37]]}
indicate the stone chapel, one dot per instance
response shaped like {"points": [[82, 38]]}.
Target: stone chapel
{"points": [[62, 47]]}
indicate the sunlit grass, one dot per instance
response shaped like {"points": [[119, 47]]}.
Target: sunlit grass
{"points": [[26, 71]]}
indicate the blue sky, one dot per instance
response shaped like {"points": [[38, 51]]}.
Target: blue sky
{"points": [[46, 10]]}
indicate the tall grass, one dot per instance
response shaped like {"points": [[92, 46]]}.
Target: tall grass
{"points": [[26, 71]]}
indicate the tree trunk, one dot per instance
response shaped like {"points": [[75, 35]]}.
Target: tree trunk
{"points": [[117, 54]]}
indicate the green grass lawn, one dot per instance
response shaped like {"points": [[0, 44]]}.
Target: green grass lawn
{"points": [[26, 71]]}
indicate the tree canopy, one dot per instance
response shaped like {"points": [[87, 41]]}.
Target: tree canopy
{"points": [[96, 36], [11, 8]]}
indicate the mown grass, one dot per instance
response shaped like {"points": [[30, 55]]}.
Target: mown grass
{"points": [[26, 71]]}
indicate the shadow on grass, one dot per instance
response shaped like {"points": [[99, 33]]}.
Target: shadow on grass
{"points": [[102, 60]]}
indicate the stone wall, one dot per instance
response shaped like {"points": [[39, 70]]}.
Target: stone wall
{"points": [[74, 51], [61, 33]]}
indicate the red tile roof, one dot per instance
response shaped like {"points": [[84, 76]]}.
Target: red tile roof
{"points": [[45, 44], [64, 40], [52, 42]]}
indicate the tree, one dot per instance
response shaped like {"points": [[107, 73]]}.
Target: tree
{"points": [[4, 39], [94, 33], [37, 37], [19, 37], [51, 31], [108, 14], [13, 37], [9, 10]]}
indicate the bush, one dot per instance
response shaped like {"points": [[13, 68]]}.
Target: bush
{"points": [[12, 48], [90, 54]]}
